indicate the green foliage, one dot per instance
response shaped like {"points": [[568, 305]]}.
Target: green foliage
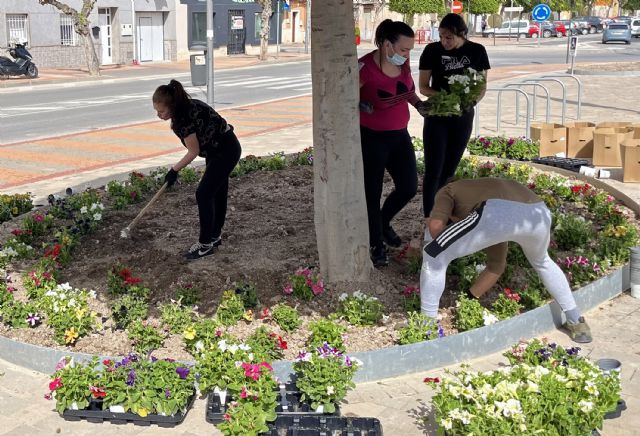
{"points": [[231, 309], [266, 345], [304, 284], [360, 309], [127, 309], [176, 317], [518, 148], [305, 157], [506, 305], [469, 313], [188, 294], [71, 384], [286, 317], [14, 313], [202, 335], [244, 419], [411, 299], [326, 330], [145, 337], [572, 231], [615, 241], [479, 7], [466, 269], [189, 176], [248, 294], [324, 376], [411, 7], [420, 328], [14, 205]]}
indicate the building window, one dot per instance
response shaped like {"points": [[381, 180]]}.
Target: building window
{"points": [[68, 35], [199, 28], [258, 25], [17, 28]]}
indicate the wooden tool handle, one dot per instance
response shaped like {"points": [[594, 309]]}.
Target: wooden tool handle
{"points": [[144, 210]]}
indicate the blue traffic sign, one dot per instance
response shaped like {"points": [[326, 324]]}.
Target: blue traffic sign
{"points": [[541, 12]]}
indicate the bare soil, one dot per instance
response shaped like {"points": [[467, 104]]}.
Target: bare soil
{"points": [[269, 234]]}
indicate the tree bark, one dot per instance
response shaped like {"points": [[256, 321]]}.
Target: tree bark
{"points": [[340, 208], [267, 11], [93, 64]]}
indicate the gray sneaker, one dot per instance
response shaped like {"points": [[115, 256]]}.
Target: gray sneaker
{"points": [[580, 331]]}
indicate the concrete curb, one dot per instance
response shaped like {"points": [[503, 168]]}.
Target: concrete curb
{"points": [[606, 73], [397, 360]]}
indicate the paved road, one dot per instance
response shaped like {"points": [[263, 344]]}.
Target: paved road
{"points": [[74, 107]]}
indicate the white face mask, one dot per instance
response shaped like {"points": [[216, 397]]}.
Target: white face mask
{"points": [[396, 59]]}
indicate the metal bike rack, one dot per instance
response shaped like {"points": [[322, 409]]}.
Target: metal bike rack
{"points": [[533, 112], [499, 110], [578, 81], [564, 93]]}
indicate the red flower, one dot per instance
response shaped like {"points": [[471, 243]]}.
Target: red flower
{"points": [[137, 174], [47, 396], [227, 417], [54, 253], [132, 281], [55, 384], [97, 392], [265, 313], [431, 380], [107, 362]]}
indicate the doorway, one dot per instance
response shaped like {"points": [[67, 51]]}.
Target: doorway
{"points": [[237, 32], [294, 25], [106, 40], [150, 35], [145, 39]]}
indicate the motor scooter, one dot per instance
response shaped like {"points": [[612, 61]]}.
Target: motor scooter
{"points": [[21, 64]]}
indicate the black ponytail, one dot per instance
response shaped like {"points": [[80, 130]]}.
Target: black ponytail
{"points": [[174, 97], [389, 30]]}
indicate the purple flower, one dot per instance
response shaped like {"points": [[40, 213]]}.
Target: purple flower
{"points": [[573, 351], [33, 319], [182, 372], [440, 331], [153, 359], [131, 378], [167, 393]]}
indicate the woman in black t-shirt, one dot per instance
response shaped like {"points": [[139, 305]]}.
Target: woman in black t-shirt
{"points": [[206, 134], [445, 138]]}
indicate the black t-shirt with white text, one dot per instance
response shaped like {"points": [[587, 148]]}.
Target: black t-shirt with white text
{"points": [[444, 63]]}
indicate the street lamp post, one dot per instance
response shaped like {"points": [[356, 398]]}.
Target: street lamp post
{"points": [[210, 52], [278, 28]]}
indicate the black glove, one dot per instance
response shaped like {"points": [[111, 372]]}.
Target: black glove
{"points": [[423, 107], [171, 177]]}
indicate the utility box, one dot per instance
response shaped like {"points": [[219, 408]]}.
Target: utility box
{"points": [[198, 65]]}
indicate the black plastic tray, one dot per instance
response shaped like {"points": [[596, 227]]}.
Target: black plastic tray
{"points": [[324, 426], [95, 414], [622, 405], [288, 399], [562, 162]]}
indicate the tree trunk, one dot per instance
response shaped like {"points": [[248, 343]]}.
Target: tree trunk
{"points": [[264, 32], [339, 201], [93, 64]]}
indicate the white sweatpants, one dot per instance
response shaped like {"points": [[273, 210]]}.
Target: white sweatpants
{"points": [[529, 225]]}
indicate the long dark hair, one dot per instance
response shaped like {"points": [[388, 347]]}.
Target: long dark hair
{"points": [[455, 24], [174, 97], [390, 30]]}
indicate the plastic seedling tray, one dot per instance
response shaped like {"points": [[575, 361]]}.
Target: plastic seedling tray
{"points": [[95, 414], [289, 404]]}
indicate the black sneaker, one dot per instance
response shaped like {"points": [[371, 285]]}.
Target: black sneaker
{"points": [[217, 241], [391, 238], [199, 250], [379, 256]]}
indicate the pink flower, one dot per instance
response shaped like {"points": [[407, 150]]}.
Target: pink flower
{"points": [[243, 392], [38, 217], [47, 396], [288, 289], [318, 288], [55, 384]]}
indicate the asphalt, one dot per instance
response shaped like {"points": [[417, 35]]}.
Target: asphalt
{"points": [[399, 403]]}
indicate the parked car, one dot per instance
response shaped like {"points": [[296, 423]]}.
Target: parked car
{"points": [[572, 27], [617, 31], [594, 23], [635, 27], [548, 29], [509, 28]]}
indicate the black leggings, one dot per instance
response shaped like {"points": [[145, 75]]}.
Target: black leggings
{"points": [[211, 194], [392, 150], [445, 139]]}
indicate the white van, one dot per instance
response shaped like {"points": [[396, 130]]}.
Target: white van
{"points": [[635, 27], [509, 28]]}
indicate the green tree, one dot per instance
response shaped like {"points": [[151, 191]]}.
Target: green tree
{"points": [[411, 7], [81, 24], [630, 5], [479, 7]]}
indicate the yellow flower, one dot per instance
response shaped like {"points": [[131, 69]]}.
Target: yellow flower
{"points": [[14, 211], [71, 335], [80, 313], [248, 315], [142, 412], [189, 333]]}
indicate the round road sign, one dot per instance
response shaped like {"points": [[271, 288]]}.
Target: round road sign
{"points": [[541, 12], [456, 7]]}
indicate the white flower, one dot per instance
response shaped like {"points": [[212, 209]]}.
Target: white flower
{"points": [[447, 424], [222, 345], [92, 294], [539, 371], [343, 296], [97, 216], [574, 374], [359, 363], [585, 406], [233, 348], [330, 390], [561, 378], [72, 302], [480, 267], [472, 71], [199, 346], [244, 347], [511, 408], [532, 386], [466, 90], [456, 107], [358, 294], [65, 287], [489, 318], [591, 388], [455, 391], [83, 209]]}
